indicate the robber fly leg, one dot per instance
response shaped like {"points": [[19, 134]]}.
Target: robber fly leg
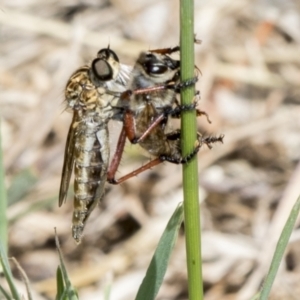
{"points": [[113, 167], [147, 166], [175, 135], [155, 123], [130, 129]]}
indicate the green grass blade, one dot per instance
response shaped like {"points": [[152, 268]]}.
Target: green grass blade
{"points": [[279, 251], [7, 273], [158, 265], [3, 200], [60, 285], [69, 292]]}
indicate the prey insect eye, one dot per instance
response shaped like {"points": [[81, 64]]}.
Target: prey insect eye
{"points": [[102, 70], [155, 68], [107, 53]]}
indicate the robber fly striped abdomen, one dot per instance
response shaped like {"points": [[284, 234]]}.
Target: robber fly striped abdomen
{"points": [[92, 93]]}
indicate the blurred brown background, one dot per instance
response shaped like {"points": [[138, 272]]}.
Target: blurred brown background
{"points": [[250, 64]]}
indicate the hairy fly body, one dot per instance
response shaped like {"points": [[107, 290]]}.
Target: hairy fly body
{"points": [[92, 93], [152, 100]]}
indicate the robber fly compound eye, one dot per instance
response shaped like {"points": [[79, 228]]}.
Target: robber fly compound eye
{"points": [[102, 69]]}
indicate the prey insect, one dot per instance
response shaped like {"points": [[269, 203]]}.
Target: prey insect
{"points": [[152, 101], [92, 92]]}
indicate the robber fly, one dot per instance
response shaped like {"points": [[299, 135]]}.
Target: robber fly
{"points": [[92, 93], [152, 100]]}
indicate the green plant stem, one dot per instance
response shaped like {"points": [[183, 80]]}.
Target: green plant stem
{"points": [[190, 170], [3, 201]]}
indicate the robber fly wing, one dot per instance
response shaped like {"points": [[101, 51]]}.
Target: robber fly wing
{"points": [[124, 74], [68, 161]]}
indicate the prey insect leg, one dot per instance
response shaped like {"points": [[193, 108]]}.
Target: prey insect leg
{"points": [[176, 112], [198, 144], [147, 166]]}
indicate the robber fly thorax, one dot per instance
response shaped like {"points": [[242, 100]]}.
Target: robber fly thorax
{"points": [[92, 93]]}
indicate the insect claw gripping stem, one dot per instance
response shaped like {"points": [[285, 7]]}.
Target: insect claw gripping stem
{"points": [[182, 160], [175, 113], [185, 84], [185, 107]]}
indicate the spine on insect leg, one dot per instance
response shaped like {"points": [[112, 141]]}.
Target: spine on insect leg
{"points": [[91, 161]]}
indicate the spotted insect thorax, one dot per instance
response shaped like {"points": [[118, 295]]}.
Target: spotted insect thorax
{"points": [[93, 94]]}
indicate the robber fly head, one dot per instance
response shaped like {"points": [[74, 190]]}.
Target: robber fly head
{"points": [[98, 84], [105, 67]]}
